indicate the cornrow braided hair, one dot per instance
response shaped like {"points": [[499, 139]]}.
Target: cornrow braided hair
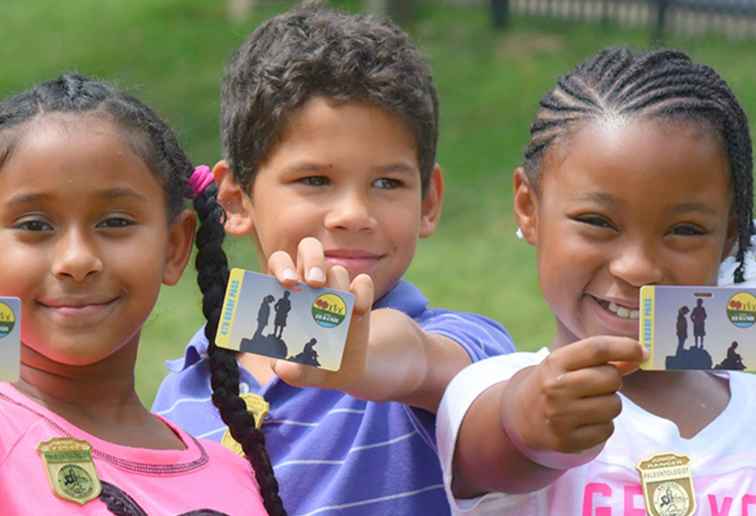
{"points": [[314, 51], [663, 84], [155, 143], [212, 276]]}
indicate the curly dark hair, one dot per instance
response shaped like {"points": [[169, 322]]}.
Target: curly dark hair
{"points": [[315, 51], [156, 144], [661, 84]]}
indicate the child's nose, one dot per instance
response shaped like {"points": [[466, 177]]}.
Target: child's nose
{"points": [[350, 211], [637, 264], [76, 257]]}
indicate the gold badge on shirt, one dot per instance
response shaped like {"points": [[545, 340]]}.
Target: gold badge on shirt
{"points": [[258, 408], [668, 485], [70, 469]]}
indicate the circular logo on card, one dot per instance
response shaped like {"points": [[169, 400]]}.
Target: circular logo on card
{"points": [[328, 310], [7, 320], [741, 310]]}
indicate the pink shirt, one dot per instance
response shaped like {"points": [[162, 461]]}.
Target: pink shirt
{"points": [[161, 482]]}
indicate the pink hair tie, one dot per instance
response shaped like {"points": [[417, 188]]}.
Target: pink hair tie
{"points": [[201, 179]]}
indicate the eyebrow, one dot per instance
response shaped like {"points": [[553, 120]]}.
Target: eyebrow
{"points": [[598, 197], [699, 207], [107, 194], [398, 167], [610, 201], [401, 167]]}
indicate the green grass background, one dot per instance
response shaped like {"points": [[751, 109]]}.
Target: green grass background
{"points": [[171, 54]]}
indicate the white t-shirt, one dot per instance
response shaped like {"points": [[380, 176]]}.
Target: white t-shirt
{"points": [[723, 455]]}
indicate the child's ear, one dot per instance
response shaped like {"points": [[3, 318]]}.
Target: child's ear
{"points": [[525, 205], [432, 203], [236, 203], [180, 240]]}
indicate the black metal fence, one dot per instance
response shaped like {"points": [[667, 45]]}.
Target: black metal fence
{"points": [[732, 18]]}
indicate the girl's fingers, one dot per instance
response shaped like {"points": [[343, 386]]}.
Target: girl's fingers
{"points": [[589, 382], [282, 267], [625, 368], [586, 437], [311, 264], [598, 350], [599, 410]]}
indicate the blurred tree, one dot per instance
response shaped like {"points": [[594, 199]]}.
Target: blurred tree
{"points": [[401, 11], [239, 9]]}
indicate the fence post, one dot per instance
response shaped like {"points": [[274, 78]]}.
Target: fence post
{"points": [[500, 13], [657, 36], [605, 13]]}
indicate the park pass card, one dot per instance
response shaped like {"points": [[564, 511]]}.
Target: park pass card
{"points": [[688, 327], [10, 338], [305, 325]]}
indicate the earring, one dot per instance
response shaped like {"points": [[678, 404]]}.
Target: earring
{"points": [[519, 234]]}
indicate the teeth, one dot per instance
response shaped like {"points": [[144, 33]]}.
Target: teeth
{"points": [[623, 312]]}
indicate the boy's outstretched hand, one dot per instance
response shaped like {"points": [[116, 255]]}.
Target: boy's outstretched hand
{"points": [[310, 268], [387, 356]]}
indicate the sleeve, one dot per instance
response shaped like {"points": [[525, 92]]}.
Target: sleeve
{"points": [[479, 336], [462, 391]]}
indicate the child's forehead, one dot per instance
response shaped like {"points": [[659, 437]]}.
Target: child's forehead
{"points": [[324, 123], [648, 142]]}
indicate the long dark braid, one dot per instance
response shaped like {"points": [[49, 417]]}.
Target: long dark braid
{"points": [[156, 144], [212, 276], [658, 84]]}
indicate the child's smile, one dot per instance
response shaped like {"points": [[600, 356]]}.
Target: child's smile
{"points": [[79, 311], [626, 205], [83, 229]]}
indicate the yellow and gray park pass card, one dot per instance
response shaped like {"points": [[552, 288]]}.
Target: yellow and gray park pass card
{"points": [[690, 327], [10, 338], [305, 325]]}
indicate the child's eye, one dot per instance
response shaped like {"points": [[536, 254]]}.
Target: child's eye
{"points": [[687, 230], [115, 222], [595, 220], [33, 225], [387, 183], [314, 180]]}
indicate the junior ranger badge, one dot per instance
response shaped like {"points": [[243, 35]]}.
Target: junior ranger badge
{"points": [[70, 469], [258, 408], [668, 485]]}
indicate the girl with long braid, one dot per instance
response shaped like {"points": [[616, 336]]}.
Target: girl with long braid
{"points": [[638, 172], [92, 222]]}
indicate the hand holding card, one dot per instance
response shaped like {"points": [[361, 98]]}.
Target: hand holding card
{"points": [[10, 338]]}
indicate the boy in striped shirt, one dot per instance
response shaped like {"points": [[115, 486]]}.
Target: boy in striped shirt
{"points": [[329, 127]]}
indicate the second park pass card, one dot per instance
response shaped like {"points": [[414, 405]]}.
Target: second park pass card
{"points": [[304, 325], [10, 338], [692, 327]]}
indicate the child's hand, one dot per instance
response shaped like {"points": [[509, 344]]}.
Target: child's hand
{"points": [[311, 269], [569, 401]]}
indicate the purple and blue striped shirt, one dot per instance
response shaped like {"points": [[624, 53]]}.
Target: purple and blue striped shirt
{"points": [[332, 453]]}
